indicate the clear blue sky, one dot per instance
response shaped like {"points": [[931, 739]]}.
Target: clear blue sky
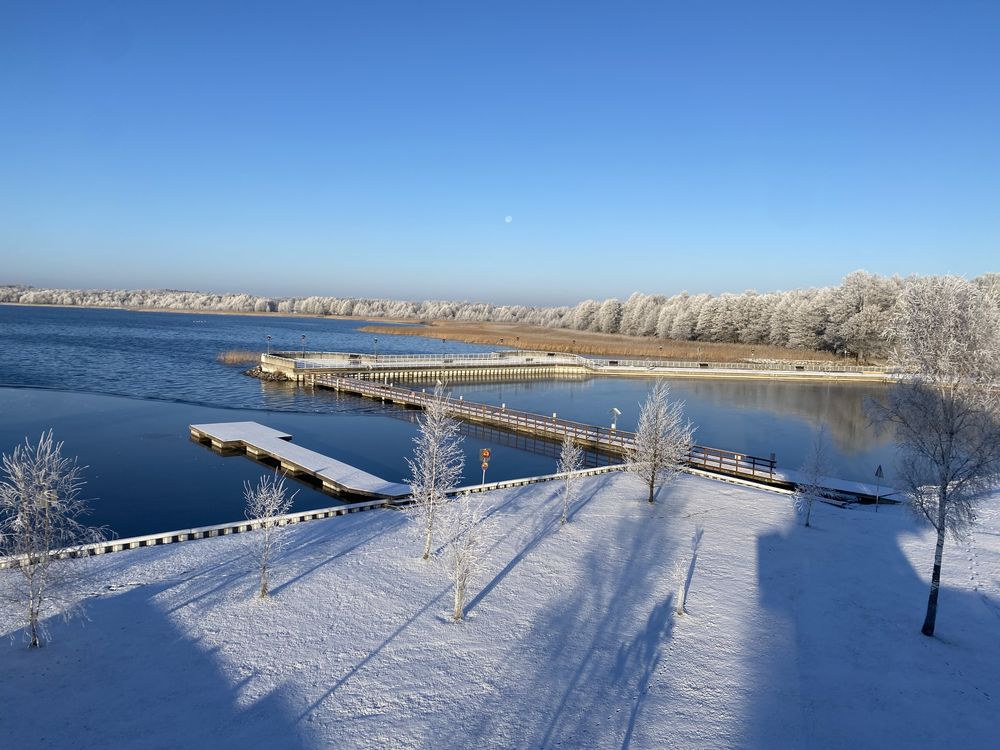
{"points": [[375, 149]]}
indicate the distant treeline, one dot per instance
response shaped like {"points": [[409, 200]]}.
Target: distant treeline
{"points": [[848, 319]]}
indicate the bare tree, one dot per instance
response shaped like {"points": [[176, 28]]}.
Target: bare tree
{"points": [[944, 411], [814, 468], [469, 534], [437, 463], [686, 579], [40, 508], [662, 440], [264, 504], [570, 461]]}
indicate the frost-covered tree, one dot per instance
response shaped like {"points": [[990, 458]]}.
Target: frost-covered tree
{"points": [[945, 411], [469, 534], [570, 461], [662, 439], [814, 468], [264, 503], [40, 512], [437, 464]]}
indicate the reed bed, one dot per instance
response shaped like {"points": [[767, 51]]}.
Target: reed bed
{"points": [[238, 357], [588, 342]]}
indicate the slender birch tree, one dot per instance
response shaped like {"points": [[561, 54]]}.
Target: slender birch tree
{"points": [[570, 461], [265, 502], [469, 535], [662, 440], [437, 464], [40, 512], [815, 467], [945, 409]]}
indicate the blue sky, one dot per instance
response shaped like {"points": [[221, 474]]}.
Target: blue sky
{"points": [[375, 149]]}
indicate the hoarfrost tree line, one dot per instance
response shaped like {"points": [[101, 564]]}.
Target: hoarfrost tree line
{"points": [[848, 319]]}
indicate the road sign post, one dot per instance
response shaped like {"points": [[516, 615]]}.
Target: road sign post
{"points": [[484, 454]]}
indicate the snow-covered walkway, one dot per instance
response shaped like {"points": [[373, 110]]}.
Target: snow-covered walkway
{"points": [[794, 637]]}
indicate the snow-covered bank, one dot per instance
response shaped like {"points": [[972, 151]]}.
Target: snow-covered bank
{"points": [[794, 637]]}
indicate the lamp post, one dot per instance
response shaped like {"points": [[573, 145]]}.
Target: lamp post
{"points": [[268, 344], [303, 337], [376, 350], [615, 413]]}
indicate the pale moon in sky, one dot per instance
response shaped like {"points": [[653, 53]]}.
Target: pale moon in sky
{"points": [[508, 219]]}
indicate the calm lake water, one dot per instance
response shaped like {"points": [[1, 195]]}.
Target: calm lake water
{"points": [[120, 389]]}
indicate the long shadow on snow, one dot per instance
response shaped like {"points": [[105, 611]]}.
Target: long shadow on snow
{"points": [[131, 678], [583, 671], [829, 640], [541, 527]]}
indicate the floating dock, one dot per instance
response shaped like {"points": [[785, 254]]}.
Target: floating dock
{"points": [[264, 442]]}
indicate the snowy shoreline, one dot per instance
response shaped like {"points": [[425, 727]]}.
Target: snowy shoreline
{"points": [[794, 637]]}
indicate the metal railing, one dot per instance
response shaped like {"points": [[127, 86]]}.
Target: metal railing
{"points": [[603, 439]]}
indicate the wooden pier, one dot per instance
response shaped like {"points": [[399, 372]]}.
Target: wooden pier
{"points": [[264, 442], [605, 440]]}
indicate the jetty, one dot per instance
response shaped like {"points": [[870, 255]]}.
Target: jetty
{"points": [[263, 442], [605, 440], [304, 367]]}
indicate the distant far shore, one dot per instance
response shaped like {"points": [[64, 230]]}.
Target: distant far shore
{"points": [[524, 336], [196, 311]]}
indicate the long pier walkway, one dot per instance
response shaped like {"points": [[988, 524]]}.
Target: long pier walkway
{"points": [[260, 441], [616, 442]]}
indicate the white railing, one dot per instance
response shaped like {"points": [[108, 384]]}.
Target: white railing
{"points": [[201, 532], [366, 362]]}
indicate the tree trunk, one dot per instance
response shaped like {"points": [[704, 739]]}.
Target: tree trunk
{"points": [[932, 600], [652, 487], [459, 596]]}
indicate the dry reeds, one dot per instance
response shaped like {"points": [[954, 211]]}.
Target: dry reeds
{"points": [[523, 336], [238, 357]]}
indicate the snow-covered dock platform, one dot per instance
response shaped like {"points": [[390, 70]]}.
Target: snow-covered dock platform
{"points": [[260, 441]]}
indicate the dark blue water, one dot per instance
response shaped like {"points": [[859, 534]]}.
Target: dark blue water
{"points": [[120, 389]]}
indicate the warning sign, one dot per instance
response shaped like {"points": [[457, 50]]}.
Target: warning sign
{"points": [[485, 454], [486, 465]]}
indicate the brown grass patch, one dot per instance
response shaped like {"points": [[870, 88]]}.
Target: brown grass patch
{"points": [[238, 357], [587, 342]]}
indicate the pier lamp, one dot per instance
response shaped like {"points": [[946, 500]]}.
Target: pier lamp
{"points": [[376, 349], [303, 337], [268, 344], [615, 413]]}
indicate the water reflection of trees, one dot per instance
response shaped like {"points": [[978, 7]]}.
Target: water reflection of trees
{"points": [[840, 405]]}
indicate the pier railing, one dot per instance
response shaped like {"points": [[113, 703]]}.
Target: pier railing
{"points": [[619, 442], [305, 360]]}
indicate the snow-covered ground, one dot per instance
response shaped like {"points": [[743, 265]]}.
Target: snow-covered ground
{"points": [[794, 638]]}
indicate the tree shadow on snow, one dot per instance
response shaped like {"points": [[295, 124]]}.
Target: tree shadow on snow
{"points": [[840, 661], [583, 671], [131, 677]]}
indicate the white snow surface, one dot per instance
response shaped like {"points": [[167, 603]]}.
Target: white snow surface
{"points": [[794, 637]]}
